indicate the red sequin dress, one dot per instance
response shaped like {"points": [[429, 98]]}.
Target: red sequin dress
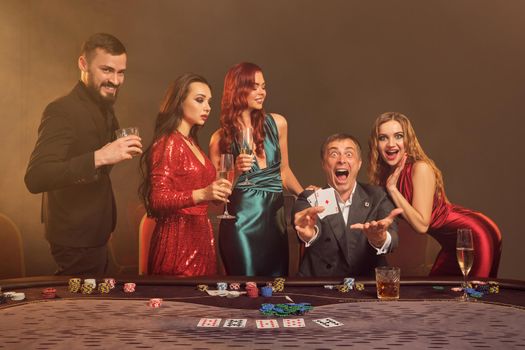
{"points": [[182, 243], [445, 221]]}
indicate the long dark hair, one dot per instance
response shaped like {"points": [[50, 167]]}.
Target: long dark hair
{"points": [[168, 120], [238, 83]]}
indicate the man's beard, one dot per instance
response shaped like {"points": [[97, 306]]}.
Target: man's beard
{"points": [[108, 99]]}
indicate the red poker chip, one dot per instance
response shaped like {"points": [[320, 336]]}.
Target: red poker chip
{"points": [[49, 293]]}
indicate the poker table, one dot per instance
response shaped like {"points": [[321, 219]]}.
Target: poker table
{"points": [[427, 315]]}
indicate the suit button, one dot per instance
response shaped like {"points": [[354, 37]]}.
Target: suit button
{"points": [[328, 266]]}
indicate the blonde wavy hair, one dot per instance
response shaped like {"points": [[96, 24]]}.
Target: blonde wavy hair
{"points": [[378, 170]]}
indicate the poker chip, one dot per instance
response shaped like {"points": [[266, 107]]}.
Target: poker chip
{"points": [[456, 289], [202, 287], [17, 296], [104, 288], [222, 286], [74, 285], [349, 281], [155, 303], [343, 288], [233, 294], [252, 292], [129, 287], [91, 281], [111, 282], [283, 310], [493, 287], [266, 291], [49, 293], [360, 286], [329, 286], [473, 293], [278, 284], [438, 287], [87, 289], [250, 285], [235, 286]]}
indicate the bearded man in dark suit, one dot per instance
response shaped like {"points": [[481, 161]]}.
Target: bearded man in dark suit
{"points": [[353, 241], [73, 156]]}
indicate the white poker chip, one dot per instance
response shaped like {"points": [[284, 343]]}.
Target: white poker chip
{"points": [[17, 296], [9, 294]]}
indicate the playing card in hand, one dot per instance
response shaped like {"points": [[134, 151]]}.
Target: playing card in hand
{"points": [[326, 198]]}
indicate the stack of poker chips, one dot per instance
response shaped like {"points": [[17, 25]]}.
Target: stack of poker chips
{"points": [[222, 286], [478, 288], [129, 287], [49, 293], [343, 288], [74, 285], [252, 290], [278, 284], [266, 291], [359, 286], [235, 286], [111, 282], [155, 303], [493, 287], [104, 287], [283, 310], [350, 282], [15, 296], [202, 287], [89, 286]]}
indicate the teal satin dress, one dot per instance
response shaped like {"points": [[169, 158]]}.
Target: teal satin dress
{"points": [[255, 242]]}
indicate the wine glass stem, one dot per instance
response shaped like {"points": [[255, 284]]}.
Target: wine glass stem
{"points": [[465, 294]]}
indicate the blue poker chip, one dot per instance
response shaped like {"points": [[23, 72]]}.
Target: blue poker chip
{"points": [[266, 291]]}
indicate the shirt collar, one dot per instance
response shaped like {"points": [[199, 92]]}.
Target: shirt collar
{"points": [[349, 201]]}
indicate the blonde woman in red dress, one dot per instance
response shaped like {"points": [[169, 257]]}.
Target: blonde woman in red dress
{"points": [[179, 181], [415, 184]]}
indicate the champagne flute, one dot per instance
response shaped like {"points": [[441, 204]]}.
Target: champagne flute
{"points": [[465, 256], [246, 142], [226, 171]]}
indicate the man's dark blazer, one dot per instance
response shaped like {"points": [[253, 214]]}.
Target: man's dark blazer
{"points": [[78, 207], [339, 250]]}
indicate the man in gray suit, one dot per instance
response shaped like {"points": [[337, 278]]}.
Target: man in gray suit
{"points": [[355, 240]]}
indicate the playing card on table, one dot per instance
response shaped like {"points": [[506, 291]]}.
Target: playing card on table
{"points": [[328, 322], [267, 324], [209, 322], [293, 322], [235, 322], [326, 199]]}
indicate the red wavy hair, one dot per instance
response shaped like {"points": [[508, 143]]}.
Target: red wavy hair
{"points": [[238, 83]]}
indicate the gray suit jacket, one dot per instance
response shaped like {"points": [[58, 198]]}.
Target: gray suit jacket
{"points": [[340, 251]]}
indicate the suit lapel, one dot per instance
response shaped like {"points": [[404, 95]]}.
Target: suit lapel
{"points": [[358, 213], [94, 113]]}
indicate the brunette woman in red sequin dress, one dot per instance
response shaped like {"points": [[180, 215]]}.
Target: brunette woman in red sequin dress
{"points": [[415, 184], [179, 181]]}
